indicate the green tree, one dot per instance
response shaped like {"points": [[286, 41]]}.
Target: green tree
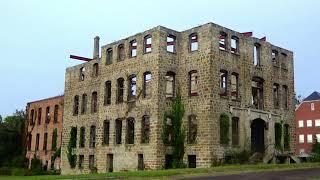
{"points": [[178, 132], [11, 135]]}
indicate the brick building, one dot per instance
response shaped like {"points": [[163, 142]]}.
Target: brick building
{"points": [[117, 101], [44, 126], [307, 116]]}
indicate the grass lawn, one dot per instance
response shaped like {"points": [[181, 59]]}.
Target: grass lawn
{"points": [[164, 174]]}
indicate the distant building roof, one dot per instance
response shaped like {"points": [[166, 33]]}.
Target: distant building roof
{"points": [[312, 97]]}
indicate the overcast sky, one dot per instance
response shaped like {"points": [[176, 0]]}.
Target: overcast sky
{"points": [[37, 36]]}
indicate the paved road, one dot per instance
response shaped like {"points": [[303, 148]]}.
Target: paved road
{"points": [[303, 174]]}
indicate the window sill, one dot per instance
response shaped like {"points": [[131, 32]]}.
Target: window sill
{"points": [[144, 144], [235, 53], [133, 57], [194, 51], [276, 66], [236, 100], [173, 53], [147, 52], [193, 94], [223, 50]]}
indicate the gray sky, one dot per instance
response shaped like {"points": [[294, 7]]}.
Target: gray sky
{"points": [[37, 36]]}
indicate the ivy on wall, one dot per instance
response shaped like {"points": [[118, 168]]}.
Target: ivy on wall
{"points": [[72, 158], [286, 137], [224, 129], [278, 135], [54, 139], [177, 132]]}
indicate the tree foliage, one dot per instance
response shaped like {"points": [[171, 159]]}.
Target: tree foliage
{"points": [[11, 135], [72, 158], [224, 129], [178, 132]]}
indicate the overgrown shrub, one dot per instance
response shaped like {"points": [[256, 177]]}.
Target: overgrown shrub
{"points": [[72, 158], [237, 157], [224, 129], [178, 132]]}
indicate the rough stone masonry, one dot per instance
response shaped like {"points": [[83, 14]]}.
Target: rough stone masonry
{"points": [[117, 101]]}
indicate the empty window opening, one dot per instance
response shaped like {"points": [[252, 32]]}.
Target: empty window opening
{"points": [[256, 54], [170, 84], [92, 137], [120, 90], [257, 93], [146, 84], [82, 140], [48, 115], [235, 131], [109, 162], [234, 86], [84, 103], [94, 102], [140, 162], [91, 162], [29, 142], [109, 56], [193, 42], [107, 93], [278, 135], [37, 142], [147, 43], [285, 96], [234, 44], [193, 80], [76, 105], [45, 140], [82, 73], [223, 82], [32, 117], [192, 129], [276, 99], [39, 115], [284, 60], [106, 132], [286, 137], [169, 129], [223, 41], [121, 52], [118, 131], [133, 48], [55, 113], [171, 43], [132, 87], [81, 160], [95, 70], [145, 129], [275, 58], [130, 131], [168, 161], [224, 129], [192, 161]]}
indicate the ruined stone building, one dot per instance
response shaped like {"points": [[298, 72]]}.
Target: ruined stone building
{"points": [[115, 103], [44, 128]]}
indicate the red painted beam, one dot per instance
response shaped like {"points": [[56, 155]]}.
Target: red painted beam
{"points": [[264, 38], [247, 34], [80, 58]]}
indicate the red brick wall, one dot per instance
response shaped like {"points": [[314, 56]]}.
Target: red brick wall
{"points": [[304, 112], [44, 155]]}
